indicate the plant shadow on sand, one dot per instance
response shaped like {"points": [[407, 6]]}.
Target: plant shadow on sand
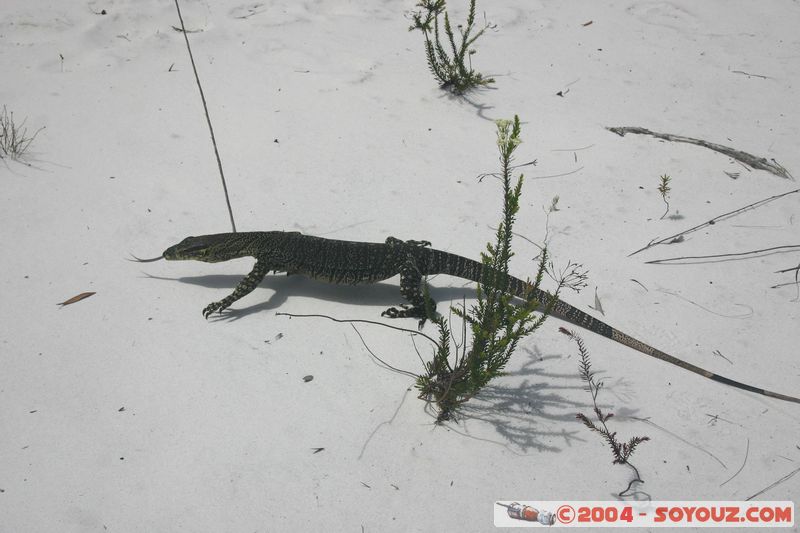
{"points": [[527, 409]]}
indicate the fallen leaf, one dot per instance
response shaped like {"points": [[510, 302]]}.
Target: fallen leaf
{"points": [[77, 298]]}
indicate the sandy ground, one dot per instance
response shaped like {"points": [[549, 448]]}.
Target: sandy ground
{"points": [[128, 411]]}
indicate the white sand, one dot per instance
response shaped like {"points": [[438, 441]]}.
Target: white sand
{"points": [[218, 429]]}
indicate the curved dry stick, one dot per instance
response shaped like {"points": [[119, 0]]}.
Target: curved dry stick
{"points": [[746, 453], [760, 163]]}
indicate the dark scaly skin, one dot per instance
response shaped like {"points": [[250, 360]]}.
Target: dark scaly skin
{"points": [[355, 262]]}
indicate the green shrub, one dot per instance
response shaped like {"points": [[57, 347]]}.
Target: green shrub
{"points": [[452, 69], [497, 325]]}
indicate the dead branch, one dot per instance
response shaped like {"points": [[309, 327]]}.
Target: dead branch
{"points": [[760, 163], [713, 221]]}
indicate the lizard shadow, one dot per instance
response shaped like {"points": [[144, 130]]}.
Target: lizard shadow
{"points": [[383, 294], [527, 407]]}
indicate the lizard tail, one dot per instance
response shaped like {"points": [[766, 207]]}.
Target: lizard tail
{"points": [[473, 270], [569, 313], [638, 345]]}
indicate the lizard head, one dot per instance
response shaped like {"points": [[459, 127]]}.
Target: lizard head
{"points": [[207, 248]]}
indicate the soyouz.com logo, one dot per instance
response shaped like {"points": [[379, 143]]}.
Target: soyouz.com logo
{"points": [[643, 514]]}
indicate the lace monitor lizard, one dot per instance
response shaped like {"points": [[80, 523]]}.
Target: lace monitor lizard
{"points": [[352, 262]]}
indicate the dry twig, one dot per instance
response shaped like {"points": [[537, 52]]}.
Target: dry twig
{"points": [[781, 480], [695, 446], [746, 453], [729, 214], [183, 30], [354, 321], [760, 163], [720, 256]]}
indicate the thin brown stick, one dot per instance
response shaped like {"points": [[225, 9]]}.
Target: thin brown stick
{"points": [[384, 363], [781, 480], [714, 220], [795, 269], [208, 117], [760, 163], [356, 321], [779, 285], [557, 175], [751, 75], [746, 453], [718, 256], [796, 281], [695, 446], [419, 355]]}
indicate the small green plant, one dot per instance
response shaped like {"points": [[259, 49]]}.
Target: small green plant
{"points": [[622, 451], [14, 139], [453, 69], [497, 325], [552, 208], [664, 189]]}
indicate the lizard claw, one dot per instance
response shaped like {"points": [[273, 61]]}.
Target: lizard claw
{"points": [[407, 311], [214, 306]]}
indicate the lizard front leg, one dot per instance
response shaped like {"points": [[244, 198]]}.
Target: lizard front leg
{"points": [[411, 289], [244, 288]]}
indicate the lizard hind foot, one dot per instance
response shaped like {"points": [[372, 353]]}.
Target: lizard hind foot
{"points": [[402, 311], [406, 311]]}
